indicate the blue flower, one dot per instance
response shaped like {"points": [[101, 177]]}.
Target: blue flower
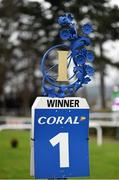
{"points": [[83, 51], [75, 53], [80, 42], [87, 28], [69, 33], [73, 32], [90, 56], [77, 44], [79, 75], [70, 16], [65, 34], [80, 59], [86, 80], [78, 68], [66, 19], [89, 70], [86, 41], [77, 85], [62, 20]]}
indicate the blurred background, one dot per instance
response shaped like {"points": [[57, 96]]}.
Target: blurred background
{"points": [[27, 29]]}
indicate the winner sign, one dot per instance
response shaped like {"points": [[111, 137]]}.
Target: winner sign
{"points": [[60, 133], [59, 136]]}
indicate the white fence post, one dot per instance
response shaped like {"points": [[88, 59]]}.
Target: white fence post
{"points": [[99, 136]]}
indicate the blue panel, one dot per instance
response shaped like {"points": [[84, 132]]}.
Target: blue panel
{"points": [[47, 162]]}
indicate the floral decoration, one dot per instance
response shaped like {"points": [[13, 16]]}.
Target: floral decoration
{"points": [[81, 56]]}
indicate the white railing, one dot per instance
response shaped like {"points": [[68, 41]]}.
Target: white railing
{"points": [[110, 116], [15, 126]]}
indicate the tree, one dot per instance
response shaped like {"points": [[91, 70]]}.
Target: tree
{"points": [[19, 50]]}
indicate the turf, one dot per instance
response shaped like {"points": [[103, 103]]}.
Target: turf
{"points": [[14, 162]]}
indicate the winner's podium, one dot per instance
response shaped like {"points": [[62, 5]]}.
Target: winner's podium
{"points": [[59, 138]]}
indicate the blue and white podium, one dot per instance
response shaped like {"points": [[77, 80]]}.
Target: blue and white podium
{"points": [[59, 138]]}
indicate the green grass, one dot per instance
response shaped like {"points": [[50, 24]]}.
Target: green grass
{"points": [[104, 160], [14, 163]]}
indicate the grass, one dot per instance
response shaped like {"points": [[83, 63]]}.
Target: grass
{"points": [[14, 163], [104, 160]]}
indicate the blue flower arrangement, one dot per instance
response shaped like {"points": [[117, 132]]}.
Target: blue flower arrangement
{"points": [[81, 56]]}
